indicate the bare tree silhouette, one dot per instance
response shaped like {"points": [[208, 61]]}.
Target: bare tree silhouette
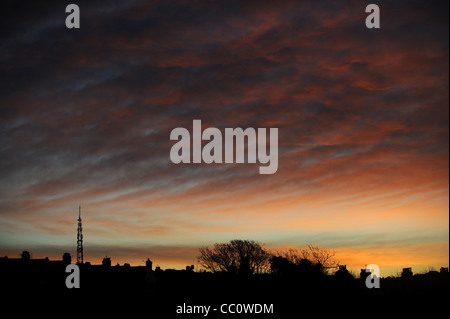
{"points": [[237, 256], [321, 256], [316, 255]]}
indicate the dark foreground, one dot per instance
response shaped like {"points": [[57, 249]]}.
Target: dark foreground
{"points": [[160, 294]]}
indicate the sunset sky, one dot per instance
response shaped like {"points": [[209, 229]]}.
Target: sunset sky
{"points": [[362, 117]]}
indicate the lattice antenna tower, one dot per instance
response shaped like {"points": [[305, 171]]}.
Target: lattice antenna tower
{"points": [[79, 239]]}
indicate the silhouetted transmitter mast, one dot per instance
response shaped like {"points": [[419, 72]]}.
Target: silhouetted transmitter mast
{"points": [[79, 239]]}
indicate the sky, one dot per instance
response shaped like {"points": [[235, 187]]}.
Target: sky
{"points": [[362, 117]]}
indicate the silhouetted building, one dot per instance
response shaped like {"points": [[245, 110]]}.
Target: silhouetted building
{"points": [[444, 270], [25, 255], [407, 272], [343, 273], [149, 264], [363, 274], [67, 259], [190, 268], [106, 261]]}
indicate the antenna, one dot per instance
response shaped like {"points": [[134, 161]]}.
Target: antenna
{"points": [[79, 239]]}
